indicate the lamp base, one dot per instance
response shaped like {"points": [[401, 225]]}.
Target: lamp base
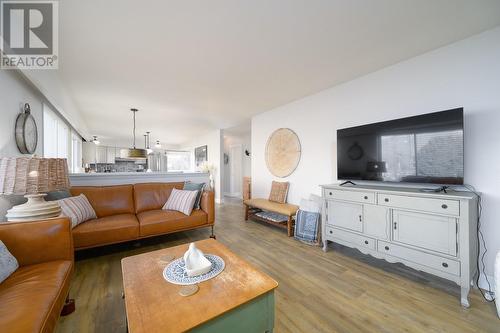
{"points": [[35, 209]]}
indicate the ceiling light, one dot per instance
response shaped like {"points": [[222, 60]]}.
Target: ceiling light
{"points": [[133, 153], [158, 144], [95, 141]]}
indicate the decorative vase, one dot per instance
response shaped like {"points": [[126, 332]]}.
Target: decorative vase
{"points": [[211, 182], [195, 261]]}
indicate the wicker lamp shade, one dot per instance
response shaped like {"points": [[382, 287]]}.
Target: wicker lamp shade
{"points": [[32, 175]]}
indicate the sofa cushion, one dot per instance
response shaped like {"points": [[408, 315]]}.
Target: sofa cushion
{"points": [[156, 222], [151, 196], [108, 200], [106, 230], [181, 201], [282, 208], [31, 299]]}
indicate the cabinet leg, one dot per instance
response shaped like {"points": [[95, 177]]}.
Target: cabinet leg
{"points": [[464, 296], [325, 246]]}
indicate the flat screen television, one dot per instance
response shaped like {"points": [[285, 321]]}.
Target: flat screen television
{"points": [[428, 148]]}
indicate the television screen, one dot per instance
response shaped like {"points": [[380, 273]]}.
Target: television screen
{"points": [[427, 148]]}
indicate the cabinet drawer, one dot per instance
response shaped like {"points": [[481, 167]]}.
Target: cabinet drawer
{"points": [[425, 259], [350, 237], [439, 206], [355, 196]]}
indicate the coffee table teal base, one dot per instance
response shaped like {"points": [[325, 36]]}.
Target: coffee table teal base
{"points": [[256, 316]]}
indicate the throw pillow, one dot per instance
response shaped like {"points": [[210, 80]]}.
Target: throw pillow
{"points": [[181, 201], [8, 263], [279, 191], [195, 187], [57, 195], [78, 209]]}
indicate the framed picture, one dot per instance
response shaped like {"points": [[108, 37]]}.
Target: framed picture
{"points": [[200, 155]]}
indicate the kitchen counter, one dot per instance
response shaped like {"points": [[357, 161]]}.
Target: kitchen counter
{"points": [[121, 178]]}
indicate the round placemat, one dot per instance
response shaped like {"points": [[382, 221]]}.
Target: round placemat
{"points": [[175, 272]]}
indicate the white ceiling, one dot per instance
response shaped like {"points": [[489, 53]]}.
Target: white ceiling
{"points": [[193, 66]]}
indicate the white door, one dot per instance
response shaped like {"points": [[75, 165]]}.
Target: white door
{"points": [[345, 215], [430, 232], [235, 170], [376, 221]]}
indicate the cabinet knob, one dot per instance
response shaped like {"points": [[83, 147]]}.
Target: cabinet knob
{"points": [[366, 197], [330, 193], [331, 232], [387, 248], [386, 199], [444, 206], [445, 264], [366, 242]]}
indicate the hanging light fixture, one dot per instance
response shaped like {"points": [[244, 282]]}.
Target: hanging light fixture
{"points": [[148, 148], [133, 153], [158, 144], [95, 141]]}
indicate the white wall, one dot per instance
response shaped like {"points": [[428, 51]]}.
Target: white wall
{"points": [[466, 73], [214, 141]]}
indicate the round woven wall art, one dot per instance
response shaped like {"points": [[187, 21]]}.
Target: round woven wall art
{"points": [[283, 152]]}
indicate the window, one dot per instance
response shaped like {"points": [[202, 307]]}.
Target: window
{"points": [[59, 140], [178, 161]]}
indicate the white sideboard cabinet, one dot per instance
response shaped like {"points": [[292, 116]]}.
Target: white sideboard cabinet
{"points": [[431, 232]]}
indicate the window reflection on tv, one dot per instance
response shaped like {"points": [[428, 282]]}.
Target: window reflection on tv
{"points": [[421, 149]]}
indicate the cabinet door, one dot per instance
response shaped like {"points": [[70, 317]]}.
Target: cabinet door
{"points": [[110, 155], [88, 152], [430, 232], [376, 221], [345, 215], [101, 154]]}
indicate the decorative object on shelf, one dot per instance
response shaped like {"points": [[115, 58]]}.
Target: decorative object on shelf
{"points": [[355, 152], [176, 273], [200, 155], [33, 177], [247, 152], [95, 141], [283, 152], [26, 131], [134, 152], [195, 261]]}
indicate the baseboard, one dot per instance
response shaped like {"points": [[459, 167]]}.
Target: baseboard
{"points": [[484, 285]]}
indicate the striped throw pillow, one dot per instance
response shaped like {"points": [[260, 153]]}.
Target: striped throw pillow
{"points": [[78, 209], [181, 201]]}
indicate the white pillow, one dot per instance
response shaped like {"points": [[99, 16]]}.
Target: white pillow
{"points": [[78, 209], [181, 201], [8, 263]]}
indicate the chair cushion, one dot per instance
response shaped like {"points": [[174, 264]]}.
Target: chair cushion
{"points": [[108, 200], [32, 298], [157, 222], [78, 209], [181, 201], [151, 196], [279, 191], [282, 208], [106, 230]]}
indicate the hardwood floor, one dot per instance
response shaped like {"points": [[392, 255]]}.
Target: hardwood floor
{"points": [[338, 291]]}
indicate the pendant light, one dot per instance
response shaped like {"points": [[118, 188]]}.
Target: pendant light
{"points": [[148, 148], [158, 144], [133, 153], [95, 141]]}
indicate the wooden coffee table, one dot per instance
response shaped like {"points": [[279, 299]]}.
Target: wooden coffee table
{"points": [[240, 299]]}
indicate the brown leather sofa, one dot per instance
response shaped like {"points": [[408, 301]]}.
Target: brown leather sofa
{"points": [[129, 212], [31, 299]]}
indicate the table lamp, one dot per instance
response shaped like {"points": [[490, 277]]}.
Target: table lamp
{"points": [[33, 177]]}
